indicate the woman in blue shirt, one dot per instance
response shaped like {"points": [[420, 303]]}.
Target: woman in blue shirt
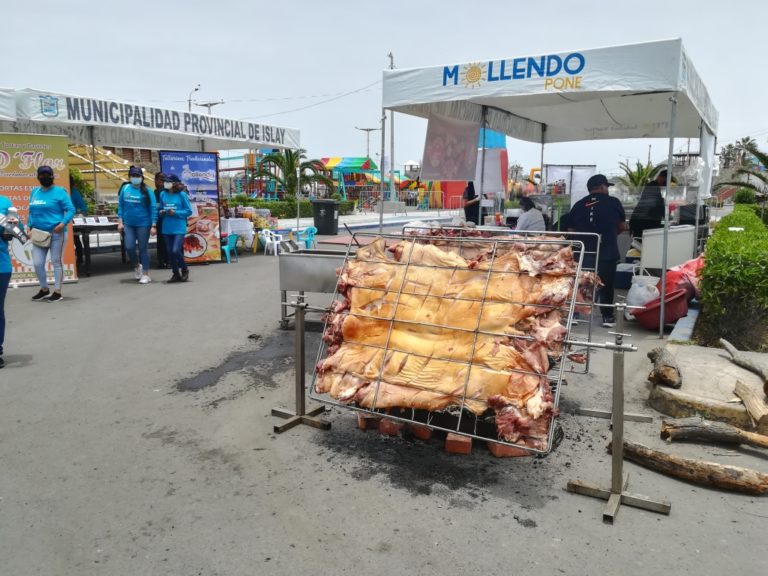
{"points": [[50, 210], [5, 269], [137, 213], [175, 209]]}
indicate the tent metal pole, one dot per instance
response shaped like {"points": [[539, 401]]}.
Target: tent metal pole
{"points": [[698, 197], [541, 161], [482, 168], [392, 156], [667, 193], [92, 135], [298, 196], [381, 168]]}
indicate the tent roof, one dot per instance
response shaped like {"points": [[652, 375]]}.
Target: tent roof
{"points": [[601, 93], [348, 163], [111, 123]]}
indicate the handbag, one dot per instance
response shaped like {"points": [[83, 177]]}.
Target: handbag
{"points": [[40, 238]]}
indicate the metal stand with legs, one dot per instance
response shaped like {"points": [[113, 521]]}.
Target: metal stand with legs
{"points": [[300, 416], [616, 495]]}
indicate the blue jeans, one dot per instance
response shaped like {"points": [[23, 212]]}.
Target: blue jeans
{"points": [[58, 240], [174, 247], [5, 279], [137, 235]]}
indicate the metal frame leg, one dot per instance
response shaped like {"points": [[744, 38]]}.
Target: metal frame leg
{"points": [[300, 415], [617, 494]]}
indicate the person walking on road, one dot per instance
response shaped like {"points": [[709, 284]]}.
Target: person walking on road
{"points": [[50, 211], [174, 210], [162, 256], [5, 266], [602, 214], [137, 218]]}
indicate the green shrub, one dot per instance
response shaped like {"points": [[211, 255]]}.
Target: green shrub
{"points": [[761, 211], [744, 196], [734, 282], [287, 208]]}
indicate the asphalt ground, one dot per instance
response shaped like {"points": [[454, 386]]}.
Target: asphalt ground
{"points": [[136, 438]]}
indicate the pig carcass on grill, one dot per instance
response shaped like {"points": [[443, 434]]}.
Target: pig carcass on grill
{"points": [[426, 328]]}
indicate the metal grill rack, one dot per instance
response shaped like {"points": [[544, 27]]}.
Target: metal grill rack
{"points": [[580, 331], [456, 418]]}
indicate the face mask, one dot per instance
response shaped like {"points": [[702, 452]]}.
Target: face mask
{"points": [[46, 180], [136, 180], [168, 185]]}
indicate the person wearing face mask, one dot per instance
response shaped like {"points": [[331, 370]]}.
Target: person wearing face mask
{"points": [[50, 210], [6, 235], [137, 217], [175, 209], [162, 256]]}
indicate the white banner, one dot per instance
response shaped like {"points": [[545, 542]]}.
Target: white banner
{"points": [[450, 150], [571, 179], [489, 181], [124, 124], [707, 154]]}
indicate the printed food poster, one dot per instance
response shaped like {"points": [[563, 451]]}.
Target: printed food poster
{"points": [[199, 173], [20, 156]]}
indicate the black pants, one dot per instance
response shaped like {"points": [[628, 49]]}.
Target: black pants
{"points": [[79, 248], [606, 270]]}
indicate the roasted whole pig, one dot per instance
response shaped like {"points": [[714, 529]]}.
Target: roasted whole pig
{"points": [[421, 326]]}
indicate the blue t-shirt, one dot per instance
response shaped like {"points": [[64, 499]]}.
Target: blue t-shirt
{"points": [[182, 209], [598, 213], [5, 257], [135, 207], [77, 201], [49, 208]]}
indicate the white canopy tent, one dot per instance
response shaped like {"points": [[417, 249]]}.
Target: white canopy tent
{"points": [[647, 90]]}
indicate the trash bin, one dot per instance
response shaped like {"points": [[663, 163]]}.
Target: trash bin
{"points": [[326, 213]]}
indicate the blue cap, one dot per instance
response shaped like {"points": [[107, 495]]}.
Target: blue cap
{"points": [[135, 171], [44, 170], [172, 178]]}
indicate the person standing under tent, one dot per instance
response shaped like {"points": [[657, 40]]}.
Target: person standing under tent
{"points": [[80, 208], [6, 269], [531, 219], [50, 211], [602, 214], [175, 209], [162, 255], [649, 212], [137, 216], [471, 204]]}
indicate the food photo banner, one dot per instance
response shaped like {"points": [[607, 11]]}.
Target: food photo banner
{"points": [[450, 150], [20, 156], [199, 171]]}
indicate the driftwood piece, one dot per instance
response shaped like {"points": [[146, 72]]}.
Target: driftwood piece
{"points": [[700, 430], [741, 360], [665, 370], [755, 405], [712, 474]]}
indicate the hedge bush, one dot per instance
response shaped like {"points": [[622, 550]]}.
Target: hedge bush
{"points": [[734, 282], [744, 196], [286, 208]]}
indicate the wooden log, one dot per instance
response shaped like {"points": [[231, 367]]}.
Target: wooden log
{"points": [[665, 370], [698, 429], [755, 405], [741, 360], [698, 472]]}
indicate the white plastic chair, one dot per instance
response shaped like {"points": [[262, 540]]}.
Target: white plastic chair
{"points": [[272, 240]]}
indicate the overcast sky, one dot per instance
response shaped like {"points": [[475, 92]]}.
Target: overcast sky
{"points": [[265, 60]]}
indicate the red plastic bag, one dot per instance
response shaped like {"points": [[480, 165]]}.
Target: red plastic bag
{"points": [[685, 277]]}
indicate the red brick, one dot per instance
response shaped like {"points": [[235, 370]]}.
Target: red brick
{"points": [[421, 432], [458, 444], [390, 427], [502, 451], [367, 421]]}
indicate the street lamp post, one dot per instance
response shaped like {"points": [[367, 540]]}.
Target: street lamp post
{"points": [[209, 105], [367, 139], [189, 100]]}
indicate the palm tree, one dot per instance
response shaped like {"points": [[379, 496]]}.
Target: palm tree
{"points": [[282, 167], [742, 147], [728, 155], [756, 180], [639, 176]]}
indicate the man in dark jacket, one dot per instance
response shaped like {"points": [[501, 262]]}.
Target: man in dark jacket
{"points": [[602, 214]]}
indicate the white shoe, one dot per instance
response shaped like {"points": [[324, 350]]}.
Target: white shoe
{"points": [[137, 271], [145, 279]]}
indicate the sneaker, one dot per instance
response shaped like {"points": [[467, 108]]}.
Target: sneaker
{"points": [[145, 279], [56, 297], [609, 322], [41, 295], [174, 279], [185, 275], [2, 362], [137, 271]]}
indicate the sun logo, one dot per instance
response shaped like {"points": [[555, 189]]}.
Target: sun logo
{"points": [[473, 74]]}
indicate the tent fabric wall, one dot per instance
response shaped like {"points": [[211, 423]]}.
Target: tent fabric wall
{"points": [[602, 93]]}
